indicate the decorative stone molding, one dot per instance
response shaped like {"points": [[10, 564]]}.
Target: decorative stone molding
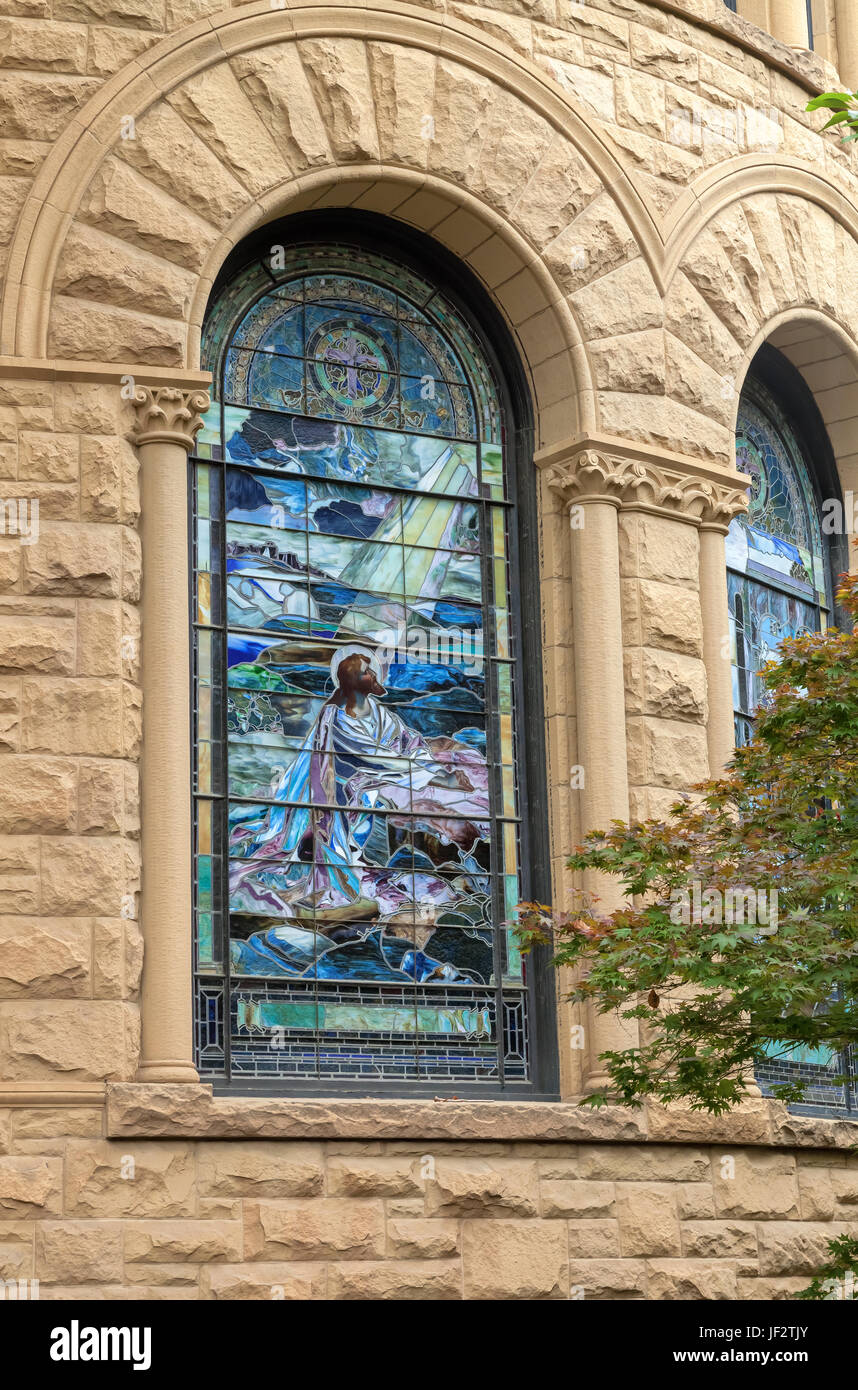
{"points": [[169, 415], [52, 1095], [634, 483]]}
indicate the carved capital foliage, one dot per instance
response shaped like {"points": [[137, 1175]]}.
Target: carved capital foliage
{"points": [[629, 482], [168, 414]]}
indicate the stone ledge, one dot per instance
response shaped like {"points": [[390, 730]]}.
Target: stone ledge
{"points": [[136, 1110]]}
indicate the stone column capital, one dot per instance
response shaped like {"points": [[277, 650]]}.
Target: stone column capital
{"points": [[696, 493], [168, 415]]}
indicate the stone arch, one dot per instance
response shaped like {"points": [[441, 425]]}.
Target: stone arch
{"points": [[255, 113], [774, 263]]}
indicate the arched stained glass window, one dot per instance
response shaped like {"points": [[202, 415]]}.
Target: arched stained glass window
{"points": [[781, 565], [779, 574], [359, 789]]}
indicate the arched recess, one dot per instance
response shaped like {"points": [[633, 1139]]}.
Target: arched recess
{"points": [[827, 359], [258, 112], [748, 267]]}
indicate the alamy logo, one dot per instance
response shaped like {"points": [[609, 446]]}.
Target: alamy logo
{"points": [[711, 907], [19, 516], [76, 1343], [19, 1289]]}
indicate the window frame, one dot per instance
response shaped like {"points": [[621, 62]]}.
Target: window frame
{"points": [[426, 257]]}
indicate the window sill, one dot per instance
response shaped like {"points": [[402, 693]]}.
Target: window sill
{"points": [[138, 1110]]}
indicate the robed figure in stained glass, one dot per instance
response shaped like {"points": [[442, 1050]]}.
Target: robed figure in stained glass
{"points": [[323, 855]]}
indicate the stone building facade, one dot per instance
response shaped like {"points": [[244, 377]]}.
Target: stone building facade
{"points": [[639, 192]]}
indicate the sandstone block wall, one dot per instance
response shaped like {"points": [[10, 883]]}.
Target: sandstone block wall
{"points": [[70, 947], [91, 1218]]}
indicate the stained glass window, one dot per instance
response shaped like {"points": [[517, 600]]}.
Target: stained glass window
{"points": [[777, 568], [358, 792]]}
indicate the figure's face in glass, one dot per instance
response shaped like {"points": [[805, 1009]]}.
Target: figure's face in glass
{"points": [[366, 683], [356, 677]]}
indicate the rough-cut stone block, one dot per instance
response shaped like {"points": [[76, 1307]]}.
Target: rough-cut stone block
{"points": [[798, 1247], [615, 1280], [122, 335], [663, 616], [514, 1259], [771, 1290], [131, 208], [264, 1169], [656, 547], [637, 1162], [101, 798], [101, 474], [695, 1202], [51, 458], [577, 1198], [43, 958], [648, 1220], [675, 752], [403, 81], [214, 105], [30, 1186], [479, 1187], [72, 716], [720, 1240], [89, 1041], [111, 49], [82, 875], [277, 1282], [40, 105], [749, 1123], [129, 1179], [79, 1252], [167, 152], [50, 1124], [47, 47], [105, 270], [36, 645], [653, 52], [142, 14], [75, 559], [816, 1194], [594, 1240], [171, 1242], [763, 1185], [324, 1228], [422, 1239], [401, 1280], [690, 1279], [374, 1177], [38, 795]]}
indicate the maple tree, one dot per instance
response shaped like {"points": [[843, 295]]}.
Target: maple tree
{"points": [[716, 998]]}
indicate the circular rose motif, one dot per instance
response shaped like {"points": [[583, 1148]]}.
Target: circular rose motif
{"points": [[352, 365]]}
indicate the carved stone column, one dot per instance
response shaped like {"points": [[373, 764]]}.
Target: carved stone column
{"points": [[167, 420], [587, 485], [846, 20], [789, 22]]}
